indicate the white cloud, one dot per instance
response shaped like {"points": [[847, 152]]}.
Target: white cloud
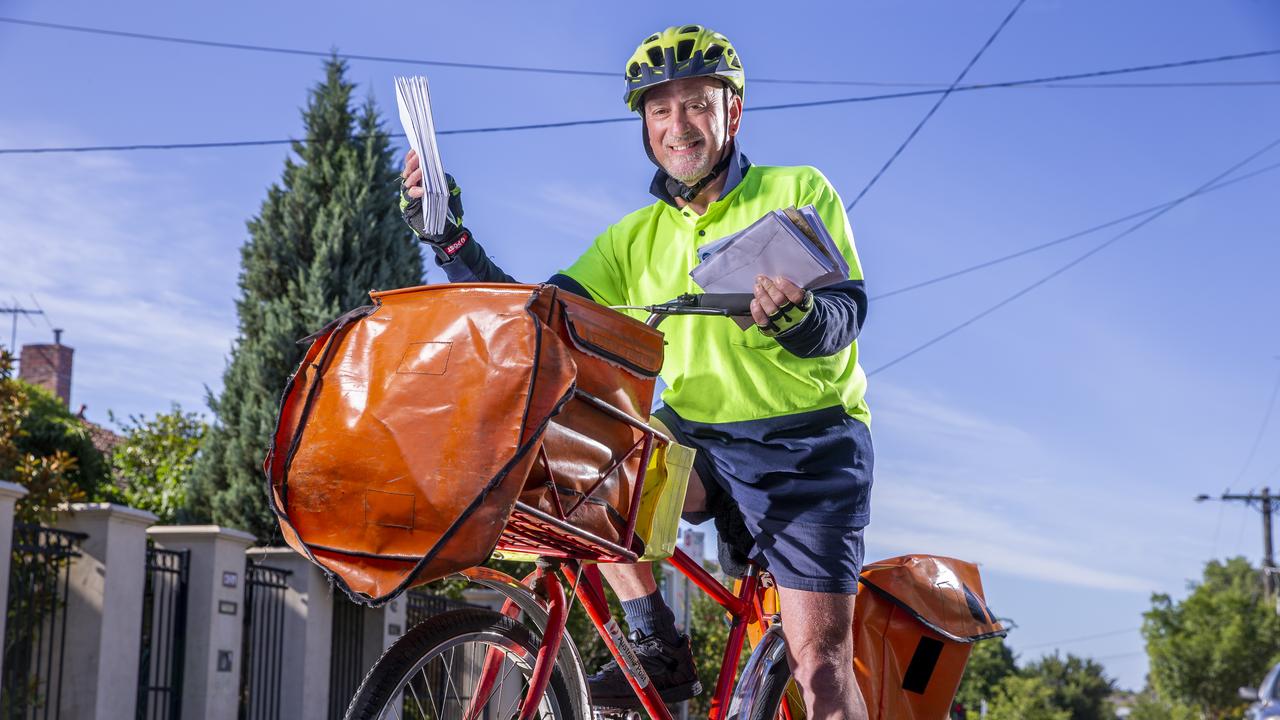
{"points": [[952, 482], [121, 253]]}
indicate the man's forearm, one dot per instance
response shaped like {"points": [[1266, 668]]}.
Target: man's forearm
{"points": [[471, 264]]}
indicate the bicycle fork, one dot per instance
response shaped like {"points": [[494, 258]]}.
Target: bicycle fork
{"points": [[548, 585]]}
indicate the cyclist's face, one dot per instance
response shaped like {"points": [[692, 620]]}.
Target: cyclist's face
{"points": [[686, 124]]}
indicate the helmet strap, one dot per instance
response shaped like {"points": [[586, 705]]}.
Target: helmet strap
{"points": [[689, 192]]}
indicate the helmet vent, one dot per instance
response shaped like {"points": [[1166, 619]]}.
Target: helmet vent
{"points": [[690, 29], [651, 38], [684, 49], [655, 56], [633, 69], [713, 53]]}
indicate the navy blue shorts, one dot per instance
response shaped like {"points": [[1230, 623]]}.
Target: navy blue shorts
{"points": [[802, 484]]}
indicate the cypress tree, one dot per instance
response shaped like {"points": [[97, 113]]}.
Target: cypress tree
{"points": [[326, 234]]}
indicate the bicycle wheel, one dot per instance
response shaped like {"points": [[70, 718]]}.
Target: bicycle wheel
{"points": [[460, 665], [772, 693]]}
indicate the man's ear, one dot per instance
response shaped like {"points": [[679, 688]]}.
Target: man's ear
{"points": [[734, 113]]}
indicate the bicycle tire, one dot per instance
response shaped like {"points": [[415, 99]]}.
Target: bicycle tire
{"points": [[773, 692], [389, 686]]}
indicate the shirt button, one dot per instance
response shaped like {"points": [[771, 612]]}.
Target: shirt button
{"points": [[702, 232], [686, 214]]}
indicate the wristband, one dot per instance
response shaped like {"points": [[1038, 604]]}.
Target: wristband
{"points": [[789, 315]]}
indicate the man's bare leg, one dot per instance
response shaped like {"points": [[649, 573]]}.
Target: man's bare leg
{"points": [[819, 631], [664, 653]]}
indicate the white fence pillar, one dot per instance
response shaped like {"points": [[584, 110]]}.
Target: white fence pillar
{"points": [[307, 631], [215, 616], [104, 610], [10, 493]]}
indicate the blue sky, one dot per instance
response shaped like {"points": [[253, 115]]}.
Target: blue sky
{"points": [[1058, 442]]}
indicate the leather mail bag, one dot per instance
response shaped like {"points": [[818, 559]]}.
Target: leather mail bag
{"points": [[413, 425]]}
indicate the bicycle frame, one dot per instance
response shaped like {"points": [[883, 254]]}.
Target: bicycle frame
{"points": [[743, 608]]}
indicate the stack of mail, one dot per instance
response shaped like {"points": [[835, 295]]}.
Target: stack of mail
{"points": [[414, 99], [792, 243]]}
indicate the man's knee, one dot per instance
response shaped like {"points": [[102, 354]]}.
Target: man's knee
{"points": [[695, 496], [825, 661]]}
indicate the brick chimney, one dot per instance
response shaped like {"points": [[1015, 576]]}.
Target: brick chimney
{"points": [[48, 366]]}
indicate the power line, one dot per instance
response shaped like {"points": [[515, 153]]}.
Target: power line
{"points": [[15, 311], [941, 99], [503, 68], [1188, 84], [1082, 638], [1119, 657], [43, 315], [1052, 243], [632, 118], [1262, 429], [1076, 261], [296, 51]]}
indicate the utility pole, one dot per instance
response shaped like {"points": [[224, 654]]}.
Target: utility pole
{"points": [[15, 311], [1265, 502]]}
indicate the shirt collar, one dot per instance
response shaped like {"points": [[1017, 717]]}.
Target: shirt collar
{"points": [[738, 167]]}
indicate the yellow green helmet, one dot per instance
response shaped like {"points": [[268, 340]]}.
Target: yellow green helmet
{"points": [[681, 52]]}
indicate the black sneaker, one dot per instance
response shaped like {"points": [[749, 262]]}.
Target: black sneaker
{"points": [[670, 669]]}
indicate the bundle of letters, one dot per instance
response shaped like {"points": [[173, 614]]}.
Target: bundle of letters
{"points": [[414, 98], [792, 243]]}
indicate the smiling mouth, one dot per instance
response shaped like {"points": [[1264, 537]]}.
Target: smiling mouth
{"points": [[684, 147]]}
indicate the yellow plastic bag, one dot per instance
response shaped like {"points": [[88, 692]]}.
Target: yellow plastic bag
{"points": [[662, 499]]}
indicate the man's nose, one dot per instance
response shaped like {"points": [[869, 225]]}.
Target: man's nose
{"points": [[680, 121]]}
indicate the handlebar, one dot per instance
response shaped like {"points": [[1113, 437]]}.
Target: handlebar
{"points": [[715, 304]]}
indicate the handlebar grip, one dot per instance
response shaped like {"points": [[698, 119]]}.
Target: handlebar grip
{"points": [[731, 303]]}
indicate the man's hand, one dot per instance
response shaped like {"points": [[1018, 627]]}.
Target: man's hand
{"points": [[454, 236], [779, 304]]}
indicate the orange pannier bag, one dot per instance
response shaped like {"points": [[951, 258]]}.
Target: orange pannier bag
{"points": [[412, 426], [915, 623]]}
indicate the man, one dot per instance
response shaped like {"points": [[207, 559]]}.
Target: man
{"points": [[776, 413]]}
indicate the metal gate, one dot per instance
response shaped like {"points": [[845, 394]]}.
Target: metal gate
{"points": [[164, 633], [346, 660], [36, 629], [262, 655], [422, 605]]}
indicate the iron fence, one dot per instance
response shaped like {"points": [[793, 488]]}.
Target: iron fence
{"points": [[346, 660], [164, 632], [36, 628], [262, 654], [421, 605]]}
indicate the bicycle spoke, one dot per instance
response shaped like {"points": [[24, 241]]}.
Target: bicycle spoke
{"points": [[426, 683], [416, 700], [445, 684], [448, 675], [501, 681]]}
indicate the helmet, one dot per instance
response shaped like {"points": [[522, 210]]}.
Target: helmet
{"points": [[681, 52]]}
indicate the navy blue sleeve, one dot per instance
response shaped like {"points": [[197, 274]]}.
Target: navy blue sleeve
{"points": [[471, 264], [568, 284], [832, 325]]}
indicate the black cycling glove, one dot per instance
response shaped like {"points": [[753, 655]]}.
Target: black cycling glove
{"points": [[455, 236]]}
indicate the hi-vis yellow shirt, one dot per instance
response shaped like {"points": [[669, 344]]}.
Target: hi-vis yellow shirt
{"points": [[714, 371]]}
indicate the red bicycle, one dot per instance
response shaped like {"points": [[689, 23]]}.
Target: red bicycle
{"points": [[519, 662]]}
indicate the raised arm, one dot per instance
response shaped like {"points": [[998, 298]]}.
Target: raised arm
{"points": [[456, 250]]}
